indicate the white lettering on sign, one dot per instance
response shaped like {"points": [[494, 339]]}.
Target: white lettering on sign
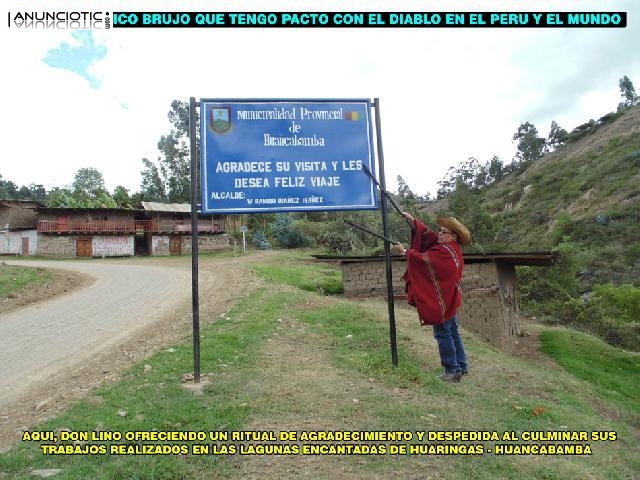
{"points": [[293, 141], [287, 182], [227, 195], [251, 182], [274, 114], [310, 166], [352, 165], [242, 167], [306, 114], [325, 181]]}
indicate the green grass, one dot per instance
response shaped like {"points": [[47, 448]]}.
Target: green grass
{"points": [[613, 373], [503, 394], [13, 279], [155, 400], [312, 277]]}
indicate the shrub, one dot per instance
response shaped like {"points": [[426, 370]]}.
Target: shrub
{"points": [[287, 234], [260, 240], [342, 242], [622, 303]]}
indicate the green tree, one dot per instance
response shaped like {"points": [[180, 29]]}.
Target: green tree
{"points": [[88, 183], [260, 221], [8, 189], [121, 197], [61, 197], [88, 189], [404, 191], [470, 172], [406, 196], [169, 178], [152, 186], [530, 145], [495, 169], [102, 200], [627, 92], [557, 137], [466, 205], [37, 192]]}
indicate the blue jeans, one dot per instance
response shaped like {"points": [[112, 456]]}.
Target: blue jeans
{"points": [[452, 355]]}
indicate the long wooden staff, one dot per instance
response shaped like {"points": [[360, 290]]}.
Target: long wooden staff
{"points": [[386, 194], [371, 232]]}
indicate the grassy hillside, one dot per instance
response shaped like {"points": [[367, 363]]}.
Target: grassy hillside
{"points": [[586, 192], [293, 362]]}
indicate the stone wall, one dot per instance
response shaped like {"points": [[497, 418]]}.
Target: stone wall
{"points": [[56, 245], [206, 243], [368, 278], [489, 307]]}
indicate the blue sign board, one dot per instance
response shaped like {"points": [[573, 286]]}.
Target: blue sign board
{"points": [[286, 155]]}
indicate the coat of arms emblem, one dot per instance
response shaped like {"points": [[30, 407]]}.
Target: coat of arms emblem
{"points": [[220, 119]]}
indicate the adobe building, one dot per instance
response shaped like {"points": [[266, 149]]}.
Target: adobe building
{"points": [[156, 229], [489, 297], [18, 234]]}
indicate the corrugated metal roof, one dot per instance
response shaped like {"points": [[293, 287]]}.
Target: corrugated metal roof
{"points": [[30, 204], [166, 207]]}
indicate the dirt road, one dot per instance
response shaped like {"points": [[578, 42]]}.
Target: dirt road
{"points": [[55, 351]]}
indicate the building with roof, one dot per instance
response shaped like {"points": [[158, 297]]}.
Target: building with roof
{"points": [[153, 229], [489, 289], [18, 234]]}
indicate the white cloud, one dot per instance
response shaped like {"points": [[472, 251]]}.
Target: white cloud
{"points": [[446, 94]]}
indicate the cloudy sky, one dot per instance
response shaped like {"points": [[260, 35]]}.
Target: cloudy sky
{"points": [[100, 98]]}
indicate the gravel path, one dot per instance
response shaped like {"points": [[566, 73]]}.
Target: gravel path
{"points": [[44, 339], [56, 351]]}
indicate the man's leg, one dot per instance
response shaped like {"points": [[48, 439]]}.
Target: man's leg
{"points": [[446, 347], [461, 355]]}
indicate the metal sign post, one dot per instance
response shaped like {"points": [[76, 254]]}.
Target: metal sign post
{"points": [[387, 247], [195, 296], [280, 155]]}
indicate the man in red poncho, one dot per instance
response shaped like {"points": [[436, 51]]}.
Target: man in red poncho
{"points": [[433, 282]]}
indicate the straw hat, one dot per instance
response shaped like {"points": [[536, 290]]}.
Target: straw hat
{"points": [[464, 237]]}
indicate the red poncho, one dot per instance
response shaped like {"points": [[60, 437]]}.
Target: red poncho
{"points": [[434, 276]]}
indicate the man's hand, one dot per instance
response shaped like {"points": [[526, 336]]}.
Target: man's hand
{"points": [[408, 216], [398, 248]]}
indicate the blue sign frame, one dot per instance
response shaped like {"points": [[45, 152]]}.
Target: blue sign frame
{"points": [[277, 155]]}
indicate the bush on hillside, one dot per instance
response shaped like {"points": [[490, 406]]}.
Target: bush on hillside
{"points": [[260, 240], [622, 303], [287, 234]]}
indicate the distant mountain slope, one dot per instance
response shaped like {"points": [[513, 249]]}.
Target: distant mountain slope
{"points": [[584, 178], [586, 192]]}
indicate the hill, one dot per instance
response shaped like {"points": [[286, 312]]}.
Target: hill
{"points": [[586, 192], [314, 373]]}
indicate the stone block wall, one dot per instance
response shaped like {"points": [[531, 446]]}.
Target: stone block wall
{"points": [[489, 307], [206, 243], [56, 245], [369, 278]]}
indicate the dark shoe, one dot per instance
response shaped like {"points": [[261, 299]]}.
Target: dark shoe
{"points": [[450, 377]]}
